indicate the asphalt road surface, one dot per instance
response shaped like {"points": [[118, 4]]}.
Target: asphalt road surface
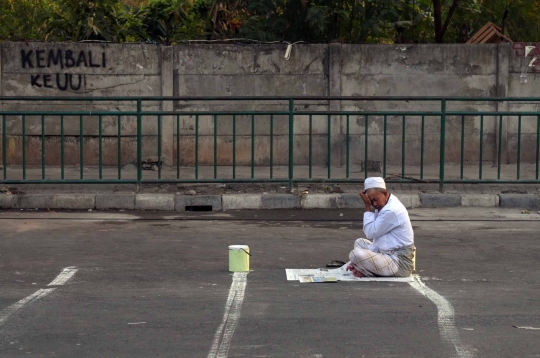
{"points": [[157, 285]]}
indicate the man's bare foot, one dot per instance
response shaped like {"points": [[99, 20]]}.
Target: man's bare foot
{"points": [[357, 273]]}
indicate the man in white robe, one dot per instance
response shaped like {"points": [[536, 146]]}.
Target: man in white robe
{"points": [[388, 249]]}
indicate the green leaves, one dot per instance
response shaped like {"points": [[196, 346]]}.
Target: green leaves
{"points": [[347, 21], [78, 20], [167, 22], [22, 20]]}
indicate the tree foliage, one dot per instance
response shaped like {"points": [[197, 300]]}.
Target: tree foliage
{"points": [[315, 21], [167, 21], [78, 20], [23, 19]]}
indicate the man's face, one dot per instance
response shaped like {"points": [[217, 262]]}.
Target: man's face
{"points": [[378, 200]]}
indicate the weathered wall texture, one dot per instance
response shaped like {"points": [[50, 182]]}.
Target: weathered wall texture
{"points": [[78, 70], [104, 70]]}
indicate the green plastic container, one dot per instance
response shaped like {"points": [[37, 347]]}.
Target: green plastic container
{"points": [[239, 258]]}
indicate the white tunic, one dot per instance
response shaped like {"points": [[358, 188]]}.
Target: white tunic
{"points": [[390, 228]]}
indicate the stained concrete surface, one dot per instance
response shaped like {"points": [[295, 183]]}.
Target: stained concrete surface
{"points": [[170, 271], [491, 70]]}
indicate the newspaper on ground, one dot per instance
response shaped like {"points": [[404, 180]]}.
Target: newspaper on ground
{"points": [[321, 275], [316, 279]]}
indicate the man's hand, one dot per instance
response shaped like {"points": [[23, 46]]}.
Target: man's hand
{"points": [[367, 201]]}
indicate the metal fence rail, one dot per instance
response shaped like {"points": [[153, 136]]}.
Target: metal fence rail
{"points": [[20, 126]]}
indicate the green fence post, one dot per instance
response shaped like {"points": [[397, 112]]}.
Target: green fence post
{"points": [[215, 146], [139, 144], [500, 148], [403, 147], [329, 148], [347, 149], [62, 154], [252, 146], [119, 144], [366, 146], [310, 146], [519, 149], [443, 135], [462, 156], [4, 147], [384, 144], [159, 145], [422, 149], [537, 144], [197, 146], [271, 146], [234, 146], [291, 142], [100, 125], [177, 146], [481, 159], [24, 145], [42, 147], [81, 147]]}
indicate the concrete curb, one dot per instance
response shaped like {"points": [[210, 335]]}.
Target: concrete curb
{"points": [[186, 202], [440, 200], [479, 200], [115, 202], [34, 201], [8, 201], [519, 201], [161, 202], [241, 201], [171, 202], [280, 201], [409, 200], [74, 202]]}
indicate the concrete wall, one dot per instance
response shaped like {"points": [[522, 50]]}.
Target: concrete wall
{"points": [[104, 70], [78, 70]]}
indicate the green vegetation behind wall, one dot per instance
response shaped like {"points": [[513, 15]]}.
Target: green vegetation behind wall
{"points": [[315, 21]]}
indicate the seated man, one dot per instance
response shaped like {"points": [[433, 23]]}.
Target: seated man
{"points": [[391, 249]]}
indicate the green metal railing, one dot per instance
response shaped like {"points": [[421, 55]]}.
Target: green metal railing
{"points": [[15, 156]]}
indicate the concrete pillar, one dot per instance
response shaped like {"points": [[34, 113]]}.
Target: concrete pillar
{"points": [[167, 85], [334, 89], [503, 69]]}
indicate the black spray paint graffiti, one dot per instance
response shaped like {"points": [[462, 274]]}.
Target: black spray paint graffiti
{"points": [[46, 81], [60, 59]]}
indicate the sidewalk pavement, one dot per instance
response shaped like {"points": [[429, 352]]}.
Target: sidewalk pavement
{"points": [[236, 196]]}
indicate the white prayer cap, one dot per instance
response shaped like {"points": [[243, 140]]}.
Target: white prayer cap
{"points": [[374, 182]]}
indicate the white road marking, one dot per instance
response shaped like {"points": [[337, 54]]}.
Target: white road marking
{"points": [[61, 279], [528, 327], [222, 339], [447, 327], [8, 312], [64, 276]]}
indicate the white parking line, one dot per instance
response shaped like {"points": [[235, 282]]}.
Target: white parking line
{"points": [[6, 313], [61, 279], [64, 276], [222, 339], [447, 327]]}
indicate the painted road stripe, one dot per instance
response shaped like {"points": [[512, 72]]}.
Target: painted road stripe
{"points": [[222, 339], [64, 276], [447, 327], [61, 279], [8, 312]]}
